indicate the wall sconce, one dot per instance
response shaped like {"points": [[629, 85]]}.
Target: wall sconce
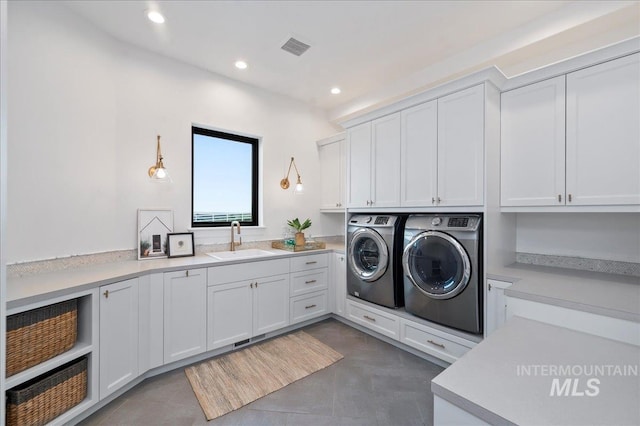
{"points": [[157, 172], [284, 183]]}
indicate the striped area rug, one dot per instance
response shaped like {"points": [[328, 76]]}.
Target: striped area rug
{"points": [[231, 381]]}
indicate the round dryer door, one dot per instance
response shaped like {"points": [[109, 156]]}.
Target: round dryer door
{"points": [[437, 264], [368, 254]]}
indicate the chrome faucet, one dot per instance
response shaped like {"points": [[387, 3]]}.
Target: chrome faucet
{"points": [[233, 243]]}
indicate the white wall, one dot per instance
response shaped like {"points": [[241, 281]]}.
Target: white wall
{"points": [[88, 108], [608, 236]]}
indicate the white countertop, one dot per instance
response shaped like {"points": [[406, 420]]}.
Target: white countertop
{"points": [[611, 295], [491, 381], [34, 288]]}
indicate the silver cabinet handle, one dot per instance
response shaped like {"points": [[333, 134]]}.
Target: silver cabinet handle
{"points": [[311, 262], [433, 200], [570, 197], [310, 306], [559, 198], [106, 294], [440, 345], [251, 285], [369, 318], [439, 200], [310, 281]]}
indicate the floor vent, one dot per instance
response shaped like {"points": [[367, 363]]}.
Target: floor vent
{"points": [[240, 343], [295, 47]]}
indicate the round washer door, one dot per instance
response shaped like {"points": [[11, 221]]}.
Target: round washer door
{"points": [[368, 254], [437, 264]]}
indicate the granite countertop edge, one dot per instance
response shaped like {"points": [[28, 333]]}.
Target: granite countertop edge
{"points": [[579, 289], [25, 290]]}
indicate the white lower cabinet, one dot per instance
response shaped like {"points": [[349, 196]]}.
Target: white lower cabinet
{"points": [[496, 305], [307, 306], [448, 414], [270, 304], [432, 341], [309, 287], [229, 314], [246, 300], [340, 283], [382, 322], [185, 314], [118, 335], [151, 322]]}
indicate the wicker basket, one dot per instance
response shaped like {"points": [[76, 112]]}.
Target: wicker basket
{"points": [[46, 397], [40, 334]]}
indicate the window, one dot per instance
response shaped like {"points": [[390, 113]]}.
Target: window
{"points": [[224, 178]]}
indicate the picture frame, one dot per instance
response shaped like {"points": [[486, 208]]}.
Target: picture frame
{"points": [[180, 244], [153, 227]]}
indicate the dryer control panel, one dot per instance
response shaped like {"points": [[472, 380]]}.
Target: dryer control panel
{"points": [[373, 220]]}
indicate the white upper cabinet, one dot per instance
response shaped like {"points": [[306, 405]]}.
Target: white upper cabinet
{"points": [[419, 155], [428, 155], [533, 146], [577, 145], [603, 133], [359, 168], [333, 171], [385, 156], [461, 148], [374, 163]]}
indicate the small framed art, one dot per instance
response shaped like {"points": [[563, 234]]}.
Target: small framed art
{"points": [[153, 227], [180, 244]]}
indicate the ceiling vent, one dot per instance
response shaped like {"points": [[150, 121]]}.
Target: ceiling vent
{"points": [[295, 47]]}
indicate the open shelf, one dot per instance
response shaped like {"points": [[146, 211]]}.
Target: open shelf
{"points": [[78, 350]]}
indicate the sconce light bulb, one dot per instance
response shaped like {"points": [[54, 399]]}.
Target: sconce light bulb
{"points": [[161, 173]]}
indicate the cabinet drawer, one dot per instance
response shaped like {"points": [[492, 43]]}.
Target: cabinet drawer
{"points": [[246, 271], [313, 261], [434, 342], [382, 322], [308, 306], [308, 282]]}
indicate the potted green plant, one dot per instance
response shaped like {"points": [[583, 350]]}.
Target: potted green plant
{"points": [[299, 227]]}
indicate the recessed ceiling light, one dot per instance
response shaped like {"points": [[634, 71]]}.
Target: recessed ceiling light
{"points": [[241, 65], [336, 90], [155, 16]]}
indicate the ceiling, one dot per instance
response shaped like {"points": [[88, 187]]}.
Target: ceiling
{"points": [[359, 46]]}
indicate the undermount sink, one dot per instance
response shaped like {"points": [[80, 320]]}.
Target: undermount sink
{"points": [[239, 254]]}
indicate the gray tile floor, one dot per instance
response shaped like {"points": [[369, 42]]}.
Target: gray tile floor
{"points": [[375, 384]]}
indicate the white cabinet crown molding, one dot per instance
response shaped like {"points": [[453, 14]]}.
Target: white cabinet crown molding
{"points": [[594, 57], [492, 75]]}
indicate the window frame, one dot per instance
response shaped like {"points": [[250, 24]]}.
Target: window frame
{"points": [[254, 141]]}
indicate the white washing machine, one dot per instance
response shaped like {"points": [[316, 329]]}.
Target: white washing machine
{"points": [[442, 267], [374, 270]]}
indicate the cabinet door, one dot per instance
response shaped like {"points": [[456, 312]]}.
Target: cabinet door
{"points": [[118, 335], [359, 166], [603, 133], [496, 305], [270, 304], [532, 160], [385, 191], [185, 314], [229, 313], [332, 165], [461, 148], [340, 282], [419, 155]]}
